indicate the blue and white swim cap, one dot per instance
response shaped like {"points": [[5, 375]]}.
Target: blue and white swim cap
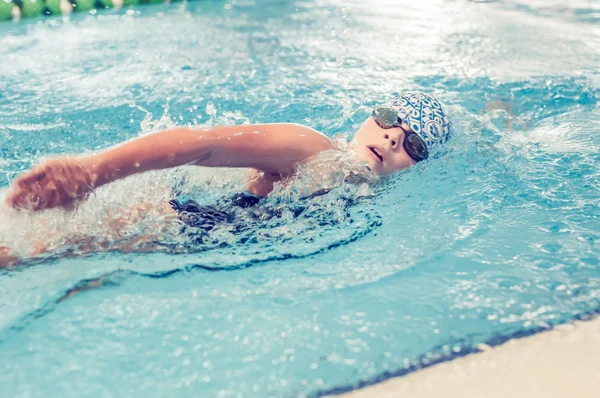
{"points": [[425, 115]]}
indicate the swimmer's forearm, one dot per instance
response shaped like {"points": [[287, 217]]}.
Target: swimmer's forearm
{"points": [[165, 149], [273, 148]]}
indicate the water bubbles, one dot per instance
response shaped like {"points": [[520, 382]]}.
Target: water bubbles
{"points": [[146, 124], [235, 117], [149, 125], [211, 110], [340, 58]]}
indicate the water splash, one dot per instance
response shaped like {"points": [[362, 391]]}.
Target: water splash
{"points": [[148, 125]]}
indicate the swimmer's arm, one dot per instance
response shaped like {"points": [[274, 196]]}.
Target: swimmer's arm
{"points": [[271, 148]]}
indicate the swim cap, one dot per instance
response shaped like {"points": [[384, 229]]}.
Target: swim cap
{"points": [[425, 116]]}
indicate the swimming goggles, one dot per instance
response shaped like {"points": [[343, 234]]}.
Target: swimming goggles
{"points": [[387, 118]]}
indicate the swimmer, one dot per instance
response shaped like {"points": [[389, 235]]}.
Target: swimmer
{"points": [[400, 133]]}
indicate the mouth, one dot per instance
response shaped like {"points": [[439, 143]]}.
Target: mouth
{"points": [[377, 153]]}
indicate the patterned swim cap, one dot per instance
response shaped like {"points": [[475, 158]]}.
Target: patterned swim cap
{"points": [[425, 115]]}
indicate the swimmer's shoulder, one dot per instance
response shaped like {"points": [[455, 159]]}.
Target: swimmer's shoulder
{"points": [[273, 148], [284, 135], [300, 134], [292, 141], [304, 139]]}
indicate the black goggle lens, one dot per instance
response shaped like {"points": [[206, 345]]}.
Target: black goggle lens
{"points": [[415, 147]]}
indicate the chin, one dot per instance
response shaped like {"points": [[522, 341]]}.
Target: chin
{"points": [[376, 168]]}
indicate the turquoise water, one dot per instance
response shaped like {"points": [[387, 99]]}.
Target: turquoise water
{"points": [[498, 237]]}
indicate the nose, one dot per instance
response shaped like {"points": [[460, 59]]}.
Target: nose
{"points": [[393, 138]]}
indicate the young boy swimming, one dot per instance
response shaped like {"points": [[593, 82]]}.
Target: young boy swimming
{"points": [[399, 134]]}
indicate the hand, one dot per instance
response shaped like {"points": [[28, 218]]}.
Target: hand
{"points": [[7, 259], [58, 182]]}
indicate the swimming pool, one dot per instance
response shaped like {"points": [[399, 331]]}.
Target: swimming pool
{"points": [[499, 237]]}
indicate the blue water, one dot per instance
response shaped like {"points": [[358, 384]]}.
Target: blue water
{"points": [[498, 237]]}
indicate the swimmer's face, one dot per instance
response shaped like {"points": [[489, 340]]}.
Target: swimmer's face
{"points": [[382, 149]]}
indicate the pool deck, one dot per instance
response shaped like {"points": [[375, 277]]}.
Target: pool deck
{"points": [[562, 362]]}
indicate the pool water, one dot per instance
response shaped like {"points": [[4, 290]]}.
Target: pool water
{"points": [[497, 237]]}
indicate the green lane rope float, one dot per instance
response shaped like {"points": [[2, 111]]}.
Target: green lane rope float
{"points": [[17, 9], [6, 10]]}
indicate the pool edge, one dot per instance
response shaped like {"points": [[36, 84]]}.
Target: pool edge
{"points": [[558, 362]]}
